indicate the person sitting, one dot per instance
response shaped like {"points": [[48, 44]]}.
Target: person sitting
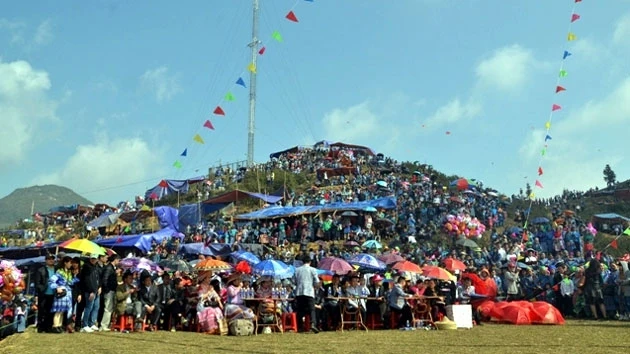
{"points": [[331, 304], [354, 292], [127, 302], [378, 306], [398, 302], [150, 298], [235, 307], [209, 306]]}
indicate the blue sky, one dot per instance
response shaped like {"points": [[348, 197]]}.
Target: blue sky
{"points": [[103, 96]]}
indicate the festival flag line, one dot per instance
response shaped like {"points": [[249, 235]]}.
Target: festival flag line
{"points": [[177, 164], [571, 36], [566, 55], [575, 17], [538, 184], [555, 107], [241, 82], [197, 138], [262, 51], [540, 171], [291, 17], [185, 153], [208, 124], [560, 89], [229, 96], [219, 111]]}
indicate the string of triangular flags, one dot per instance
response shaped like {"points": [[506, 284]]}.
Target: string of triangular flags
{"points": [[231, 95], [555, 107]]}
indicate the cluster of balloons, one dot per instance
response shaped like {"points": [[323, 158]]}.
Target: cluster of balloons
{"points": [[590, 228], [11, 280], [464, 225]]}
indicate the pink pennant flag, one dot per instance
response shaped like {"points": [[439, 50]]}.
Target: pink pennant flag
{"points": [[540, 171], [219, 111], [560, 89], [538, 184], [575, 17], [291, 17], [578, 1], [555, 107], [262, 51], [208, 124]]}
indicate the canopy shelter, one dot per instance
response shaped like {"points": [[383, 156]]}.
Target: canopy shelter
{"points": [[171, 186], [106, 219], [340, 145], [281, 212], [236, 195], [212, 249], [141, 242]]}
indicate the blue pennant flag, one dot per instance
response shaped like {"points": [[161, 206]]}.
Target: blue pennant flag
{"points": [[566, 54], [548, 137], [185, 153], [240, 82]]}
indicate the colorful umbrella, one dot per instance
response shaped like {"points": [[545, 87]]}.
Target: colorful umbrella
{"points": [[246, 256], [406, 266], [391, 258], [212, 265], [351, 244], [273, 268], [83, 245], [137, 263], [437, 273], [335, 265], [175, 265], [453, 264], [372, 244], [365, 260]]}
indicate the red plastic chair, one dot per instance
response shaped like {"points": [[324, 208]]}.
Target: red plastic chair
{"points": [[289, 322]]}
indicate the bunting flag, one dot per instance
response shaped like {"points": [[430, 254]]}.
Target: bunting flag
{"points": [[559, 87], [219, 111], [198, 138], [208, 124], [277, 36], [627, 231], [291, 17], [532, 196], [231, 94], [613, 244]]}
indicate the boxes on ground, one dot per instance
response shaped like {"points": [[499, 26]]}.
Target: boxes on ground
{"points": [[461, 315]]}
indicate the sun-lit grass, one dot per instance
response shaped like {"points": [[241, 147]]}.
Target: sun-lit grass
{"points": [[575, 337]]}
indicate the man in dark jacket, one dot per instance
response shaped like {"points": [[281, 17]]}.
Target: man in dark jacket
{"points": [[150, 297], [90, 278], [109, 283], [45, 296]]}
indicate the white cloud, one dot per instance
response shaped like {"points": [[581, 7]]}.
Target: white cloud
{"points": [[14, 28], [452, 112], [44, 33], [95, 168], [583, 144], [163, 85], [621, 35], [507, 69], [24, 106]]}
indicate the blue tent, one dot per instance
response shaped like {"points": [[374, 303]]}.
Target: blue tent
{"points": [[141, 242], [213, 249]]}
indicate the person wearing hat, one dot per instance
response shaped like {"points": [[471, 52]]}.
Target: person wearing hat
{"points": [[511, 279], [90, 281], [235, 306], [45, 295], [377, 307]]}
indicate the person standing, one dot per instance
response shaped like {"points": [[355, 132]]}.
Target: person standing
{"points": [[90, 280], [306, 280], [44, 294], [109, 283]]}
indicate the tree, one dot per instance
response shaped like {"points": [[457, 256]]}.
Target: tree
{"points": [[609, 176], [528, 190]]}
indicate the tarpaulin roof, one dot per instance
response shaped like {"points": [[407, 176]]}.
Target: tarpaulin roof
{"points": [[280, 212], [235, 195], [189, 213], [611, 216], [141, 242], [213, 249], [106, 219], [171, 186], [352, 147]]}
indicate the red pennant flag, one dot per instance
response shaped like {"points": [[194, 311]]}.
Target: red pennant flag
{"points": [[208, 124], [540, 171], [119, 239], [560, 89], [291, 17], [613, 244], [578, 1], [219, 111], [538, 184], [448, 133], [556, 107], [575, 17], [262, 51]]}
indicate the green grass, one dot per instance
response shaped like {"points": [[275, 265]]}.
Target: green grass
{"points": [[574, 337]]}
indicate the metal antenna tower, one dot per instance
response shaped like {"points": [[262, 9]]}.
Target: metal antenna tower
{"points": [[251, 126]]}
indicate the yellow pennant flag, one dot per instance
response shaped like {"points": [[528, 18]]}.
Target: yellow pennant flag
{"points": [[571, 36], [532, 196], [251, 67], [198, 139], [548, 125]]}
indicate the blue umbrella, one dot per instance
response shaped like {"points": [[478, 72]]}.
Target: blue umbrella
{"points": [[540, 220], [246, 256], [371, 244], [273, 268], [365, 260]]}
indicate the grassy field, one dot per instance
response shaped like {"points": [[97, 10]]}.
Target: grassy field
{"points": [[575, 337]]}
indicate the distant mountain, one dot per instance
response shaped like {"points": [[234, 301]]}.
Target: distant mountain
{"points": [[17, 205]]}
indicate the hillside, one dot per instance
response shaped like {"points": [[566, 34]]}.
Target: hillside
{"points": [[17, 205]]}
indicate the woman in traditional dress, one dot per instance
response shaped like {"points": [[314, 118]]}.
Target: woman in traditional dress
{"points": [[235, 307], [209, 307], [61, 284]]}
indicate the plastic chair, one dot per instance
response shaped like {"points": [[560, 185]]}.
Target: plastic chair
{"points": [[122, 323], [289, 321], [373, 321]]}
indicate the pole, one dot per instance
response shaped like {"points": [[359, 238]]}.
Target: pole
{"points": [[252, 87]]}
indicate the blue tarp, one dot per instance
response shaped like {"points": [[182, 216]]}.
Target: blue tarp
{"points": [[171, 186], [106, 219], [141, 242], [236, 195], [213, 249], [38, 260], [280, 212], [168, 217], [189, 213], [611, 216]]}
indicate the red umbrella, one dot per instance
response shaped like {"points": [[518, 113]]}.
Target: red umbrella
{"points": [[545, 313], [390, 258], [436, 273], [516, 312], [406, 266], [453, 264], [335, 265], [461, 184]]}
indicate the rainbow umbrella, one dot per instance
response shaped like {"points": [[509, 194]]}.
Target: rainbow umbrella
{"points": [[84, 246]]}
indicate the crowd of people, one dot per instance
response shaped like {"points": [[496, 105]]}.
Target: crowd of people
{"points": [[551, 260]]}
